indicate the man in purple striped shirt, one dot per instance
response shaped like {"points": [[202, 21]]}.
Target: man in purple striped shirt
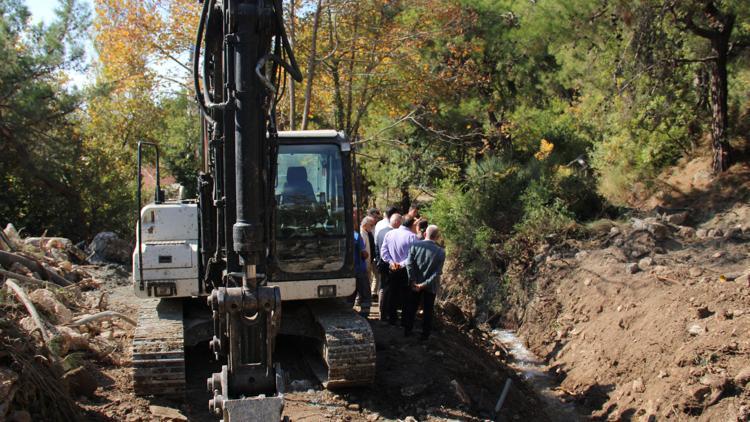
{"points": [[395, 251]]}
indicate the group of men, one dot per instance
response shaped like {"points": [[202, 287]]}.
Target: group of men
{"points": [[397, 259]]}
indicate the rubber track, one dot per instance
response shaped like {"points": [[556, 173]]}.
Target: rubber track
{"points": [[349, 346], [158, 349]]}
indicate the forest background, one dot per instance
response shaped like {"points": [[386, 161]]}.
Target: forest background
{"points": [[514, 121]]}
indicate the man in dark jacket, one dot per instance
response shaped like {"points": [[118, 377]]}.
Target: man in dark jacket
{"points": [[424, 266]]}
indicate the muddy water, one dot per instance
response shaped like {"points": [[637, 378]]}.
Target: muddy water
{"points": [[534, 371]]}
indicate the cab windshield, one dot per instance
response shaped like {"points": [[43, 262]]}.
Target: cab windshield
{"points": [[310, 222]]}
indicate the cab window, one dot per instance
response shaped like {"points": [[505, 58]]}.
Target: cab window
{"points": [[310, 215]]}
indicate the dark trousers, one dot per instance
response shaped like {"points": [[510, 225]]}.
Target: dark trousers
{"points": [[384, 298], [393, 292], [428, 305], [362, 293]]}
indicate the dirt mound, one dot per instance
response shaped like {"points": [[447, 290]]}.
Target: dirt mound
{"points": [[692, 186], [651, 320]]}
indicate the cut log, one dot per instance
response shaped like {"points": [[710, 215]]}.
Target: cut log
{"points": [[8, 258]]}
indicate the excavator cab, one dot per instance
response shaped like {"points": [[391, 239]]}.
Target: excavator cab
{"points": [[313, 194]]}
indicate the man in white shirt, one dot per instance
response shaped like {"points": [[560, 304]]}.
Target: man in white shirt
{"points": [[386, 221]]}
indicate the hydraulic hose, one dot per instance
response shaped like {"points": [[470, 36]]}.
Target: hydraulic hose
{"points": [[196, 62]]}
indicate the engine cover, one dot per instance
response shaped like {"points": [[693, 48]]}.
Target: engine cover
{"points": [[169, 248]]}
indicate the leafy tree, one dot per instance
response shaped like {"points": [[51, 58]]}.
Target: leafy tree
{"points": [[44, 161]]}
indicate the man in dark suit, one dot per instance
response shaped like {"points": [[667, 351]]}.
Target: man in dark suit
{"points": [[424, 266]]}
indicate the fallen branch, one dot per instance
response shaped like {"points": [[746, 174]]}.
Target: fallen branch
{"points": [[101, 315], [21, 277], [21, 295], [8, 258]]}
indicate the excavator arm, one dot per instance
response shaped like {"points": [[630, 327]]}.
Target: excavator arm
{"points": [[241, 57]]}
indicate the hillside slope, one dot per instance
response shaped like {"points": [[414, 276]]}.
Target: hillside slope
{"points": [[650, 319]]}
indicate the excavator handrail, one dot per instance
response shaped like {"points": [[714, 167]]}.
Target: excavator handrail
{"points": [[157, 200]]}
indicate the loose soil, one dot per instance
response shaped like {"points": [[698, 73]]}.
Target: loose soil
{"points": [[413, 379], [668, 342]]}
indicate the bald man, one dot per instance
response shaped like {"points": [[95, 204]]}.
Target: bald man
{"points": [[424, 266]]}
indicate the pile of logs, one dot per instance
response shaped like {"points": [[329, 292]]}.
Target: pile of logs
{"points": [[51, 314]]}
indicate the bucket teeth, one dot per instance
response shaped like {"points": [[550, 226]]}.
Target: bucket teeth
{"points": [[158, 349]]}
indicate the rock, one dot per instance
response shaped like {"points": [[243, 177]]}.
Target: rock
{"points": [[663, 374], [587, 282], [660, 231], [686, 232], [733, 233], [614, 231], [701, 233], [677, 218], [20, 416], [714, 381], [715, 233], [353, 406], [373, 417], [632, 268], [81, 382], [742, 377], [717, 255], [639, 224], [167, 413], [698, 392], [645, 263], [703, 312], [108, 247], [695, 272], [410, 419], [581, 255], [638, 386], [46, 301], [696, 329], [724, 315]]}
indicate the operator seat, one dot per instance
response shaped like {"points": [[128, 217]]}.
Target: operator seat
{"points": [[297, 189]]}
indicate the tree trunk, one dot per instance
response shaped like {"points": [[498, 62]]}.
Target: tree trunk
{"points": [[720, 119], [311, 66], [336, 77], [405, 197], [292, 40]]}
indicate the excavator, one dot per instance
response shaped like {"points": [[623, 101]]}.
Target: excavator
{"points": [[267, 247]]}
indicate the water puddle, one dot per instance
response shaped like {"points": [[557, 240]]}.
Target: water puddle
{"points": [[534, 371]]}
